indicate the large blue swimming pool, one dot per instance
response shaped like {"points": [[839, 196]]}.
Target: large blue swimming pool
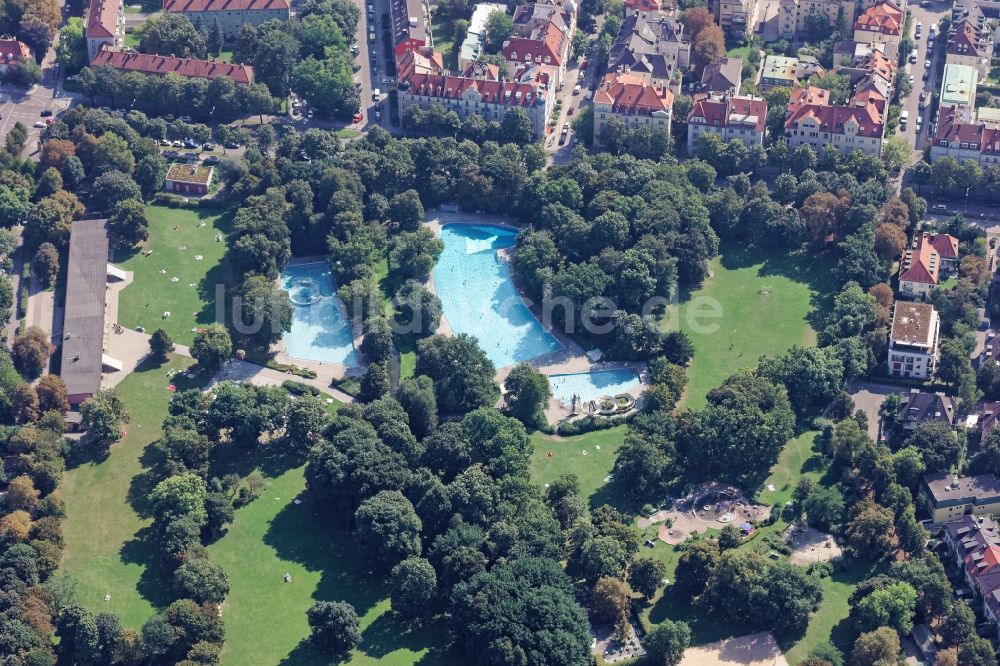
{"points": [[592, 385], [479, 298], [320, 328]]}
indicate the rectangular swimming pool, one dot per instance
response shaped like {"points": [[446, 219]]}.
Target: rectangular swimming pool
{"points": [[321, 330], [592, 385]]}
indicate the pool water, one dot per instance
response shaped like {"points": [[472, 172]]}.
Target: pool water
{"points": [[479, 298], [320, 327], [592, 385]]}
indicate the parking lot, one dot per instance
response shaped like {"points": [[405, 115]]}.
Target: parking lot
{"points": [[19, 106]]}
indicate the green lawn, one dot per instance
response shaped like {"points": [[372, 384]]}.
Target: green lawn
{"points": [[830, 624], [442, 27], [175, 240], [567, 457], [266, 618], [104, 549], [131, 41], [766, 301]]}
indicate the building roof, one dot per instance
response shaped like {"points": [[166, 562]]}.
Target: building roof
{"points": [[102, 21], [722, 76], [963, 39], [644, 5], [188, 67], [445, 86], [729, 111], [481, 15], [921, 265], [883, 17], [958, 85], [544, 46], [779, 68], [408, 22], [189, 173], [12, 50], [627, 93], [945, 245], [982, 529], [223, 5], [864, 111], [808, 95], [646, 44], [912, 324], [919, 407], [83, 321], [945, 487], [419, 61]]}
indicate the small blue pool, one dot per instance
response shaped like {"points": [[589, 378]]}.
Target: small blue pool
{"points": [[320, 328], [592, 385], [479, 298]]}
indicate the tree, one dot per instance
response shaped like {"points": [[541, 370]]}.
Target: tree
{"points": [[666, 642], [601, 556], [334, 625], [375, 382], [937, 444], [461, 372], [413, 254], [24, 404], [406, 211], [212, 347], [307, 419], [388, 529], [645, 575], [52, 395], [418, 310], [160, 345], [21, 494], [891, 606], [328, 85], [104, 415], [27, 72], [876, 648], [414, 587], [708, 46], [266, 307], [113, 187], [527, 394], [213, 43], [172, 34], [824, 507], [499, 28], [71, 51], [377, 345], [150, 174], [128, 224], [871, 530], [416, 395], [30, 352], [202, 580], [46, 264], [609, 601]]}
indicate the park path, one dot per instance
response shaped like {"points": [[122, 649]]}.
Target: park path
{"points": [[244, 371]]}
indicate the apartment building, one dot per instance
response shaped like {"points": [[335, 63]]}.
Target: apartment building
{"points": [[162, 65], [105, 26], [731, 117], [724, 77], [924, 267], [882, 23], [970, 43], [633, 101], [232, 15], [408, 25], [959, 136], [12, 52], [951, 497], [913, 340], [793, 15], [859, 125], [736, 17], [651, 46], [481, 92]]}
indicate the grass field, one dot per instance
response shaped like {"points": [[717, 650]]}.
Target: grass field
{"points": [[567, 457], [176, 241], [104, 549], [442, 27], [829, 624], [266, 618], [765, 303]]}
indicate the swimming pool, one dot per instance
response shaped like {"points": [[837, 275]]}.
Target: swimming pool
{"points": [[592, 385], [320, 328], [479, 298]]}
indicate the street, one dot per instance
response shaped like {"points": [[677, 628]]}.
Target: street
{"points": [[928, 16]]}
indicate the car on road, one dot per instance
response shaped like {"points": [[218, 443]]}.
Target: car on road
{"points": [[358, 117], [925, 75], [913, 58], [39, 124], [165, 142], [927, 64], [911, 79], [46, 113], [378, 114], [570, 112], [939, 207], [232, 145], [576, 90]]}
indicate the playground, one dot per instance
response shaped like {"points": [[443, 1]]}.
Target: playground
{"points": [[711, 505]]}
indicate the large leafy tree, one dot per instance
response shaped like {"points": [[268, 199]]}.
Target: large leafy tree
{"points": [[172, 34], [462, 374], [388, 529]]}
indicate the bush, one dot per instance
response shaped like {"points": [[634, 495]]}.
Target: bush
{"points": [[298, 388], [592, 423]]}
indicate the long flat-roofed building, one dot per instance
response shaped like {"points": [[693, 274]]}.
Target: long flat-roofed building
{"points": [[950, 497], [232, 15], [83, 357]]}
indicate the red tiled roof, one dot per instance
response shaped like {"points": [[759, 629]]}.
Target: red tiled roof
{"points": [[222, 5], [723, 112], [153, 64], [945, 245], [11, 50], [492, 92], [808, 95], [628, 94], [551, 46], [643, 5], [832, 118], [965, 40], [955, 128], [424, 60], [920, 265], [883, 17], [103, 18]]}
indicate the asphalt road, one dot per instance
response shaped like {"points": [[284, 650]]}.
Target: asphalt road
{"points": [[927, 16]]}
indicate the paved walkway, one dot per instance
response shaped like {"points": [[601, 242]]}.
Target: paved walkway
{"points": [[244, 371]]}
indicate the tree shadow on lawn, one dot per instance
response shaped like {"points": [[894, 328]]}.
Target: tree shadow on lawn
{"points": [[218, 275], [272, 459], [706, 626], [812, 270], [613, 493], [153, 584]]}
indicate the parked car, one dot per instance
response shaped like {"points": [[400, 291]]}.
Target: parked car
{"points": [[927, 64], [46, 113], [185, 119], [232, 145], [939, 207], [165, 142], [913, 58], [209, 146], [358, 117]]}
